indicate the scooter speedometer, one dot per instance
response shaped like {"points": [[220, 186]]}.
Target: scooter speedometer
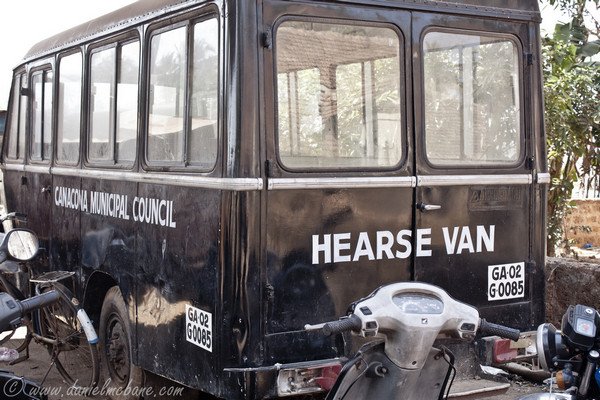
{"points": [[418, 303]]}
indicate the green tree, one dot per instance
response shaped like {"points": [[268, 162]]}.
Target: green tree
{"points": [[572, 97]]}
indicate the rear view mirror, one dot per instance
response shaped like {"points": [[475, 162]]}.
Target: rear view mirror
{"points": [[21, 244]]}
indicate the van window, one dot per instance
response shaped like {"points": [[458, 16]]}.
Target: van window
{"points": [[338, 96], [113, 104], [102, 77], [41, 115], [178, 134], [472, 101], [69, 109], [18, 118], [127, 103], [205, 90], [167, 95]]}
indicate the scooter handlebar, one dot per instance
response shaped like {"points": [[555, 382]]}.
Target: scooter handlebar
{"points": [[12, 310], [488, 328], [39, 301], [352, 323]]}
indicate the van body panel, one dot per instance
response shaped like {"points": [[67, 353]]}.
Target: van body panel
{"points": [[178, 266], [65, 242]]}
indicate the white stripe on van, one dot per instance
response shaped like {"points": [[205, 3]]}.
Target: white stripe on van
{"points": [[253, 184], [340, 183], [464, 180], [543, 178], [406, 181], [233, 184]]}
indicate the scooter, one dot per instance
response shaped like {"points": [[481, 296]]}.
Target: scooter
{"points": [[402, 363], [571, 354], [20, 245]]}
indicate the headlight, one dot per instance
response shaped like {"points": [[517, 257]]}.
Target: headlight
{"points": [[552, 352]]}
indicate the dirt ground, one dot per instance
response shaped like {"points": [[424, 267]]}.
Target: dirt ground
{"points": [[518, 389], [37, 367]]}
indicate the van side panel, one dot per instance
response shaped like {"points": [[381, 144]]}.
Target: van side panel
{"points": [[177, 268], [108, 237], [65, 244], [39, 196]]}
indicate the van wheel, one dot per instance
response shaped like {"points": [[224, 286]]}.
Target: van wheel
{"points": [[115, 346]]}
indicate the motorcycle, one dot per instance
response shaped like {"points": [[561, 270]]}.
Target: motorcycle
{"points": [[20, 245], [403, 362], [571, 354]]}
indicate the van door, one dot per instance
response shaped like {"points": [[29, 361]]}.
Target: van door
{"points": [[15, 147], [37, 184], [338, 164], [473, 162], [67, 195]]}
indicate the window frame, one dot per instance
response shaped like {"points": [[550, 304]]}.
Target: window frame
{"points": [[402, 91], [44, 69], [516, 41], [16, 102], [117, 44], [188, 21], [82, 117]]}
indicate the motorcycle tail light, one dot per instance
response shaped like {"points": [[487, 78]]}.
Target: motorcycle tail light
{"points": [[503, 351], [307, 380]]}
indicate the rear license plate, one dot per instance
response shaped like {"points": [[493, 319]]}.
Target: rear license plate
{"points": [[506, 281]]}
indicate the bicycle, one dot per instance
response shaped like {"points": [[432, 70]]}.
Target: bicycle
{"points": [[68, 334], [12, 312], [63, 328]]}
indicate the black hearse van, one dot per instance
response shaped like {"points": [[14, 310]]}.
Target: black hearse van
{"points": [[220, 173]]}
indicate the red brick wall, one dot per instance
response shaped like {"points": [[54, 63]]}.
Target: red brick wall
{"points": [[570, 282], [582, 225]]}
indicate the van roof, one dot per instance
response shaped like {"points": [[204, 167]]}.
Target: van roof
{"points": [[133, 13], [144, 10]]}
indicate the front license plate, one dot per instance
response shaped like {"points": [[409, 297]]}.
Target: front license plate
{"points": [[506, 281]]}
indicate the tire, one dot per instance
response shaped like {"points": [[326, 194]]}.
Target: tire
{"points": [[76, 359], [18, 339], [116, 350]]}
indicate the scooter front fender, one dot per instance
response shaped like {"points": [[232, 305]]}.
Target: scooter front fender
{"points": [[372, 375]]}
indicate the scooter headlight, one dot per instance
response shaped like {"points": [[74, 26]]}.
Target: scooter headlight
{"points": [[551, 349]]}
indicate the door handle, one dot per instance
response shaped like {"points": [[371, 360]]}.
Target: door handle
{"points": [[46, 189], [428, 207]]}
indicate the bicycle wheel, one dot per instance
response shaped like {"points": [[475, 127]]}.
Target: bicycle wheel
{"points": [[19, 338], [76, 358]]}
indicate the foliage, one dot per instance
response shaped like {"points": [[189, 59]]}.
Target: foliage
{"points": [[572, 97]]}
